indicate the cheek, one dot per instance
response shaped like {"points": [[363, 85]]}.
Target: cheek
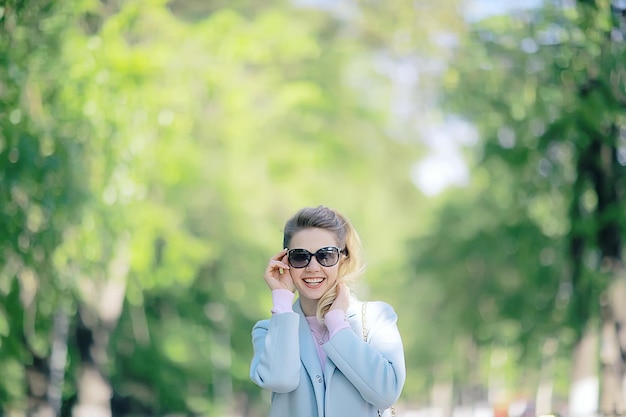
{"points": [[296, 273], [332, 273]]}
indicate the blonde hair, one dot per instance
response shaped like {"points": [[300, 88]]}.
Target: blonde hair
{"points": [[348, 240]]}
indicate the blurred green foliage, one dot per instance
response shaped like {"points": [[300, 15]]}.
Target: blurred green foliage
{"points": [[150, 152], [533, 245]]}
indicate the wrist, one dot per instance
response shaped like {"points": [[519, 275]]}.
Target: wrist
{"points": [[282, 300], [335, 321]]}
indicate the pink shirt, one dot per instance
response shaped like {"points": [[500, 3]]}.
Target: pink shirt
{"points": [[335, 321]]}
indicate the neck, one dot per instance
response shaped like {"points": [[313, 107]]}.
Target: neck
{"points": [[309, 307]]}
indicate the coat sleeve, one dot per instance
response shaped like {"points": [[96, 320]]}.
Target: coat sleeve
{"points": [[276, 362], [376, 368]]}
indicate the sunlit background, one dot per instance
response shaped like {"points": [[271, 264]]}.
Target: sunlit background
{"points": [[151, 151]]}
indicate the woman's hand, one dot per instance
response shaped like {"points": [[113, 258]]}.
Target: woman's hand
{"points": [[342, 301], [277, 274]]}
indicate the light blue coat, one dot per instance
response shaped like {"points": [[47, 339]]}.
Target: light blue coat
{"points": [[359, 377]]}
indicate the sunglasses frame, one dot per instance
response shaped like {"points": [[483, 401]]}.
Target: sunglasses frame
{"points": [[310, 256]]}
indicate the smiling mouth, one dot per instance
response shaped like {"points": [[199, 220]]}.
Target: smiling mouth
{"points": [[313, 282]]}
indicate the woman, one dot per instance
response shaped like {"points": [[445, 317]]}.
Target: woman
{"points": [[318, 356]]}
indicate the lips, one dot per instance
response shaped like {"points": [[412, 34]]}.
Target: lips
{"points": [[313, 282]]}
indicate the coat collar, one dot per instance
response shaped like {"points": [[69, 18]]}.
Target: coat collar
{"points": [[353, 316]]}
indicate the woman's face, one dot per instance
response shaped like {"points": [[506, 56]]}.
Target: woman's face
{"points": [[314, 280]]}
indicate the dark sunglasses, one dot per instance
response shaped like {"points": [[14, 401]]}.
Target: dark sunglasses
{"points": [[300, 258]]}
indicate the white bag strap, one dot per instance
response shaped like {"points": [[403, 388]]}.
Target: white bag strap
{"points": [[364, 320]]}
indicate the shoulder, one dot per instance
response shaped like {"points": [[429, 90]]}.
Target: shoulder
{"points": [[261, 327], [371, 312], [371, 308], [370, 318], [262, 324], [378, 310], [289, 319]]}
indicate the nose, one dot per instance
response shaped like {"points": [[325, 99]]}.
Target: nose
{"points": [[313, 265]]}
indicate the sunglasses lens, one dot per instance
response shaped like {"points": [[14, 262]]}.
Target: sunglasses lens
{"points": [[299, 258], [327, 256]]}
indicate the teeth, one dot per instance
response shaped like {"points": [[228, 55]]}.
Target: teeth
{"points": [[313, 280]]}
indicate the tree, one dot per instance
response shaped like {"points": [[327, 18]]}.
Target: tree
{"points": [[160, 148], [544, 91], [41, 191]]}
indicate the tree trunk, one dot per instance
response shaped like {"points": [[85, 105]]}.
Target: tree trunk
{"points": [[103, 303], [94, 394], [612, 401], [58, 360], [37, 386], [441, 397], [605, 174], [598, 165], [543, 400], [583, 398]]}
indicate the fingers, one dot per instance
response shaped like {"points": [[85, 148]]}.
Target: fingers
{"points": [[276, 274], [278, 261], [342, 300], [273, 266], [342, 290]]}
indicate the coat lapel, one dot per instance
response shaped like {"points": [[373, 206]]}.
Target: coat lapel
{"points": [[310, 360], [308, 352]]}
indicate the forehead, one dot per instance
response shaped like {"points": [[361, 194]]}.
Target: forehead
{"points": [[313, 239]]}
